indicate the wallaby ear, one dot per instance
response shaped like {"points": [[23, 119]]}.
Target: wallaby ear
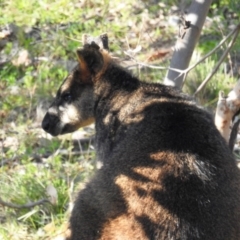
{"points": [[101, 41], [90, 60], [85, 73]]}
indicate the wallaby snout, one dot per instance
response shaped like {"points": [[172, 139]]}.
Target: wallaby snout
{"points": [[49, 124], [65, 118]]}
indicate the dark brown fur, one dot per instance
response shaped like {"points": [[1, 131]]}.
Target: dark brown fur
{"points": [[167, 172]]}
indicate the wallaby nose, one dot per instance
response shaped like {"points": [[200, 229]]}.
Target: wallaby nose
{"points": [[50, 124], [46, 123]]}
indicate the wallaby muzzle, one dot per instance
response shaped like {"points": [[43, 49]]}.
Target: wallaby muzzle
{"points": [[50, 123]]}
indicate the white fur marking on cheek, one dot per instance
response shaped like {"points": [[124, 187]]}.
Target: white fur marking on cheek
{"points": [[70, 115], [61, 109], [52, 110]]}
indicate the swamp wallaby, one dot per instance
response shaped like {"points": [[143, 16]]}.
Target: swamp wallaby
{"points": [[167, 173]]}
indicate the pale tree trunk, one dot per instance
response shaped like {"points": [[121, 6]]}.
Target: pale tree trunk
{"points": [[187, 40]]}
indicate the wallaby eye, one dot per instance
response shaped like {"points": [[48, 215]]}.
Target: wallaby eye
{"points": [[67, 97]]}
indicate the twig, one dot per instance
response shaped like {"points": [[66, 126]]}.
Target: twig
{"points": [[228, 56], [213, 50], [202, 85], [185, 71], [150, 66], [27, 205]]}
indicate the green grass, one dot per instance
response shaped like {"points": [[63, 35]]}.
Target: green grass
{"points": [[31, 160]]}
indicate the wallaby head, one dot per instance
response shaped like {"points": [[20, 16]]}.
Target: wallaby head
{"points": [[73, 106]]}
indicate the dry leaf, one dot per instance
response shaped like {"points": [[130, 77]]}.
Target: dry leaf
{"points": [[4, 34], [161, 53], [132, 52], [22, 59], [52, 193]]}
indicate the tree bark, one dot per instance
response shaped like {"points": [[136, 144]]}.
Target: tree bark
{"points": [[186, 42]]}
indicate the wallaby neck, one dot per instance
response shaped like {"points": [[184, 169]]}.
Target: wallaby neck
{"points": [[116, 79], [112, 93]]}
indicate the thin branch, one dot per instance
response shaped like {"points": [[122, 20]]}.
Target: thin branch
{"points": [[202, 85], [27, 205], [213, 50], [149, 65], [185, 71]]}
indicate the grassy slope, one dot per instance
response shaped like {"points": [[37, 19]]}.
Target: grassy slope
{"points": [[31, 160]]}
